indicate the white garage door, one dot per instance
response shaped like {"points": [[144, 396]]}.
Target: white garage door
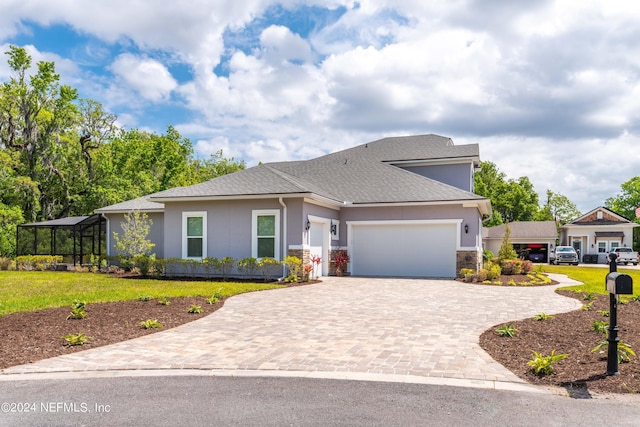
{"points": [[411, 250]]}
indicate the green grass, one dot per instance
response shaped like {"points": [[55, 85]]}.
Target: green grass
{"points": [[593, 278], [33, 290]]}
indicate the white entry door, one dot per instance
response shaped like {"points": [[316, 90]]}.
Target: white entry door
{"points": [[318, 242]]}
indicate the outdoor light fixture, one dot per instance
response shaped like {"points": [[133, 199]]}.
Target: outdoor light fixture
{"points": [[466, 228], [334, 228], [307, 225]]}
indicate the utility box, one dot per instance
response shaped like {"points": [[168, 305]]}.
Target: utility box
{"points": [[619, 284]]}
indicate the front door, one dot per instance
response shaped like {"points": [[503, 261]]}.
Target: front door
{"points": [[318, 237], [577, 245]]}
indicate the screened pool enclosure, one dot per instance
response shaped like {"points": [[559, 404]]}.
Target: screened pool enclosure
{"points": [[75, 238]]}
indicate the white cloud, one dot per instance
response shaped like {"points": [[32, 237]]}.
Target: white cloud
{"points": [[280, 44], [146, 76], [549, 89]]}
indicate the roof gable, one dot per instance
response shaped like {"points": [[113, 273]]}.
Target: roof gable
{"points": [[600, 216]]}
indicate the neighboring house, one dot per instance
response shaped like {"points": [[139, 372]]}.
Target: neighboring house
{"points": [[596, 233], [401, 206], [532, 240]]}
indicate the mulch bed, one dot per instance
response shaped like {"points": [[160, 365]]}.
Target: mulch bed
{"points": [[583, 372], [31, 336]]}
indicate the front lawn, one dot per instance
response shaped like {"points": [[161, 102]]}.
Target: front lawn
{"points": [[592, 277], [33, 290]]}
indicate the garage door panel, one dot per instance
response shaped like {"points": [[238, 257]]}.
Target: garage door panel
{"points": [[418, 250]]}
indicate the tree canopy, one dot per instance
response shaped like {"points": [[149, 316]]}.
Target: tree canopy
{"points": [[61, 155], [516, 199], [626, 202]]}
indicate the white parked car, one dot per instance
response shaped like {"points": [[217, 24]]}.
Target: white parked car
{"points": [[564, 254]]}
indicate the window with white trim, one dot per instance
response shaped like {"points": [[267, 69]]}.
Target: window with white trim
{"points": [[194, 235], [265, 234], [602, 247], [615, 245]]}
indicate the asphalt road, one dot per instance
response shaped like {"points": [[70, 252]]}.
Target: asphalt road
{"points": [[247, 401]]}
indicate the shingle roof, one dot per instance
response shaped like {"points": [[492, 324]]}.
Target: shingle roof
{"points": [[355, 175], [523, 230], [358, 175], [141, 204]]}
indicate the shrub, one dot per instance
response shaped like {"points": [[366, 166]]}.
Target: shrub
{"points": [[77, 311], [195, 309], [542, 316], [487, 256], [511, 266], [144, 263], [79, 339], [225, 265], [144, 298], [494, 271], [587, 307], [248, 266], [5, 263], [465, 271], [150, 324], [268, 267], [32, 262], [164, 301], [526, 267], [482, 275], [625, 352], [543, 365], [294, 265], [507, 330], [600, 326]]}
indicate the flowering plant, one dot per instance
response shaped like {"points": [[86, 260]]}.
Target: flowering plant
{"points": [[341, 258], [315, 262], [307, 271]]}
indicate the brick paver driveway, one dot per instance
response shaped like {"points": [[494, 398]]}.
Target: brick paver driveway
{"points": [[424, 328]]}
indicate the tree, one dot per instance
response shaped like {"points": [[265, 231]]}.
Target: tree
{"points": [[35, 112], [506, 249], [625, 204], [512, 200], [61, 156], [558, 208], [135, 229]]}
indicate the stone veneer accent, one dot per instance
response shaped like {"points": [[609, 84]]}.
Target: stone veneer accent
{"points": [[468, 259], [304, 255]]}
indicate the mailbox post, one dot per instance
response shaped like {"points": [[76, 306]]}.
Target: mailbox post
{"points": [[616, 284]]}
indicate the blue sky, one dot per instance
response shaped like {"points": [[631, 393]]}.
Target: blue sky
{"points": [[548, 89]]}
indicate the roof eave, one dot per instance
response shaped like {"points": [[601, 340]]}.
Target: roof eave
{"points": [[125, 211]]}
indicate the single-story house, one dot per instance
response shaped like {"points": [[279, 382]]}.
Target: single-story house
{"points": [[596, 233], [399, 206], [532, 240]]}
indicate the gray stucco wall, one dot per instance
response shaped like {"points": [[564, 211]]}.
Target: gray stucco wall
{"points": [[228, 225], [460, 176]]}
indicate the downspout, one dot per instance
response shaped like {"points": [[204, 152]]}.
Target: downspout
{"points": [[284, 236]]}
